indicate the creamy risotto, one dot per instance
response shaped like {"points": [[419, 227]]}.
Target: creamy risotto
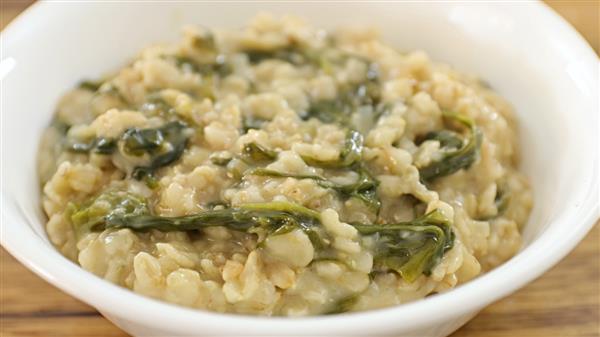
{"points": [[284, 170]]}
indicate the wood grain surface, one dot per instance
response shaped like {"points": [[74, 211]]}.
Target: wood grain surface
{"points": [[564, 302]]}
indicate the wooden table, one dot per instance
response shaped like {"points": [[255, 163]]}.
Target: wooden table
{"points": [[564, 302]]}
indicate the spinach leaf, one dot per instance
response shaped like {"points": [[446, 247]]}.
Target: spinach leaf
{"points": [[136, 141], [164, 145], [155, 105], [220, 158], [90, 85], [340, 109], [350, 154], [455, 158], [256, 153], [219, 67], [101, 145], [92, 214], [364, 189], [448, 139], [349, 100], [410, 248], [343, 305], [291, 54], [272, 218], [502, 200]]}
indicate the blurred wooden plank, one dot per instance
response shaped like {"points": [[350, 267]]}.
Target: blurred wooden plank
{"points": [[29, 306], [72, 326], [42, 298]]}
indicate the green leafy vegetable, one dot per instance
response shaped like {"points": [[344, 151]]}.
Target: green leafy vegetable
{"points": [[348, 101], [90, 85], [92, 214], [343, 305], [350, 98], [364, 189], [340, 109], [350, 154], [59, 125], [271, 215], [291, 54], [366, 117], [502, 200], [257, 153], [136, 141], [410, 248], [99, 145], [455, 158], [448, 139], [164, 145], [110, 89], [273, 218], [155, 105], [219, 67], [220, 158]]}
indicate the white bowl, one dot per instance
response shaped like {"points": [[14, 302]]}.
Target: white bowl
{"points": [[527, 53]]}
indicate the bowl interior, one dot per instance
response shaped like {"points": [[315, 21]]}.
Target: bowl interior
{"points": [[552, 93]]}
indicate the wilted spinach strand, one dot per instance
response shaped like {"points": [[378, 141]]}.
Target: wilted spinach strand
{"points": [[219, 66], [410, 248], [340, 109], [350, 154], [501, 201], [349, 99], [91, 215], [457, 158], [164, 145], [256, 153], [90, 85], [364, 189], [291, 54], [271, 215], [99, 145], [343, 305], [136, 141], [157, 106], [448, 139], [173, 141], [220, 159], [60, 126], [273, 218]]}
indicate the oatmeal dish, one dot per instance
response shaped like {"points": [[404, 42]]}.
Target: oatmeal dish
{"points": [[283, 170]]}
